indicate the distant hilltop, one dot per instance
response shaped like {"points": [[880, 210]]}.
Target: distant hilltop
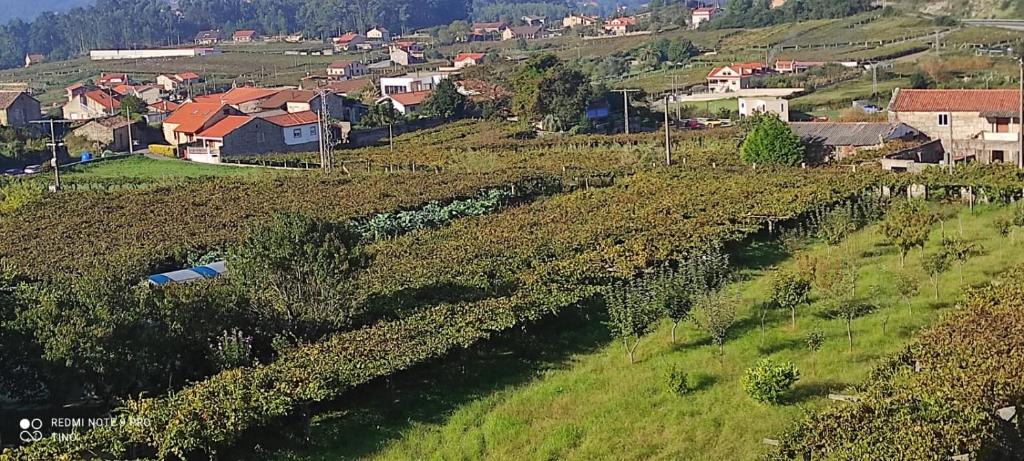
{"points": [[28, 10]]}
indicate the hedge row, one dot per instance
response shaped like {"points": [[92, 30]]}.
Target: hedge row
{"points": [[938, 398]]}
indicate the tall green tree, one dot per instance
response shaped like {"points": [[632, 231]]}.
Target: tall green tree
{"points": [[772, 142], [545, 88], [445, 101]]}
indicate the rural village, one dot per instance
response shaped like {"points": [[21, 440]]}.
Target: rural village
{"points": [[470, 229]]}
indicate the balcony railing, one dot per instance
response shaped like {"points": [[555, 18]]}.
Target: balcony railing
{"points": [[993, 136]]}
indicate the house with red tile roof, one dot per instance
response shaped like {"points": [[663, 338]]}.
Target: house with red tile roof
{"points": [[621, 26], [253, 135], [86, 103], [244, 98], [244, 36], [149, 93], [349, 41], [407, 103], [972, 124], [733, 77], [112, 80], [185, 123], [468, 59], [171, 82], [793, 66]]}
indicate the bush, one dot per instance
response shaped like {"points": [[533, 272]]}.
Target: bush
{"points": [[768, 380], [677, 381]]}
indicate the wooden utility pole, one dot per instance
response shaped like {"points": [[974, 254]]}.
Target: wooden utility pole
{"points": [[53, 145], [668, 137], [625, 105]]}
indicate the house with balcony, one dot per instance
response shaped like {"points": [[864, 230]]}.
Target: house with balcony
{"points": [[733, 77], [184, 124], [972, 124], [410, 83], [87, 103]]}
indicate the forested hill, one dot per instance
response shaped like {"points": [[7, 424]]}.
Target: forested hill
{"points": [[29, 9], [138, 23]]}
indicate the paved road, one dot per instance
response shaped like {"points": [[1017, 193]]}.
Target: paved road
{"points": [[1012, 24]]}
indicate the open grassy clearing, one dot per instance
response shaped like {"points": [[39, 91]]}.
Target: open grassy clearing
{"points": [[575, 396], [140, 167]]}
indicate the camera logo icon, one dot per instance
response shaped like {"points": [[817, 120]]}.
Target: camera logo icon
{"points": [[30, 430]]}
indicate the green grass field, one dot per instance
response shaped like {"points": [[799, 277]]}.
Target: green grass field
{"points": [[140, 167], [566, 391]]}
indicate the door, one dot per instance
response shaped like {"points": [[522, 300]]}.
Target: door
{"points": [[998, 156]]}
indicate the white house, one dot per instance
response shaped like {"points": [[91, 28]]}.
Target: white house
{"points": [[407, 103], [702, 15], [379, 34], [777, 106], [410, 83], [342, 70]]}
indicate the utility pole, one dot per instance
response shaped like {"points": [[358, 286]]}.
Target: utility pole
{"points": [[668, 137], [675, 97], [53, 145], [128, 116], [625, 105]]}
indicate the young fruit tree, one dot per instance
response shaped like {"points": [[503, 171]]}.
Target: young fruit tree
{"points": [[908, 286], [767, 381], [789, 290], [935, 264], [906, 226], [632, 313], [959, 251], [715, 313], [677, 289], [835, 225]]}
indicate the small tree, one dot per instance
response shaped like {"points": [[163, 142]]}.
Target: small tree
{"points": [[789, 290], [768, 380], [1004, 225], [133, 106], [907, 286], [772, 142], [631, 313], [935, 264], [959, 251], [715, 313], [815, 339], [836, 225], [842, 296], [677, 289], [907, 226]]}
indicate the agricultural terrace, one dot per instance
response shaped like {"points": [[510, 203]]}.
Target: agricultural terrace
{"points": [[455, 238]]}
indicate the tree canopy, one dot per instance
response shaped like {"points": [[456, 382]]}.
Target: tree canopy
{"points": [[772, 142]]}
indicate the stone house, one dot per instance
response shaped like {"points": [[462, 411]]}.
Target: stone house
{"points": [[18, 109], [111, 133], [839, 140], [248, 135], [295, 101], [978, 125]]}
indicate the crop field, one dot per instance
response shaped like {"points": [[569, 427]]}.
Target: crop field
{"points": [[447, 268], [593, 404], [143, 168]]}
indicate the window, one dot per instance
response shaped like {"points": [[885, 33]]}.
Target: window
{"points": [[312, 131], [260, 136], [943, 119], [297, 133]]}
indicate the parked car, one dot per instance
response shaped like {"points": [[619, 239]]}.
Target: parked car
{"points": [[692, 124], [32, 169]]}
